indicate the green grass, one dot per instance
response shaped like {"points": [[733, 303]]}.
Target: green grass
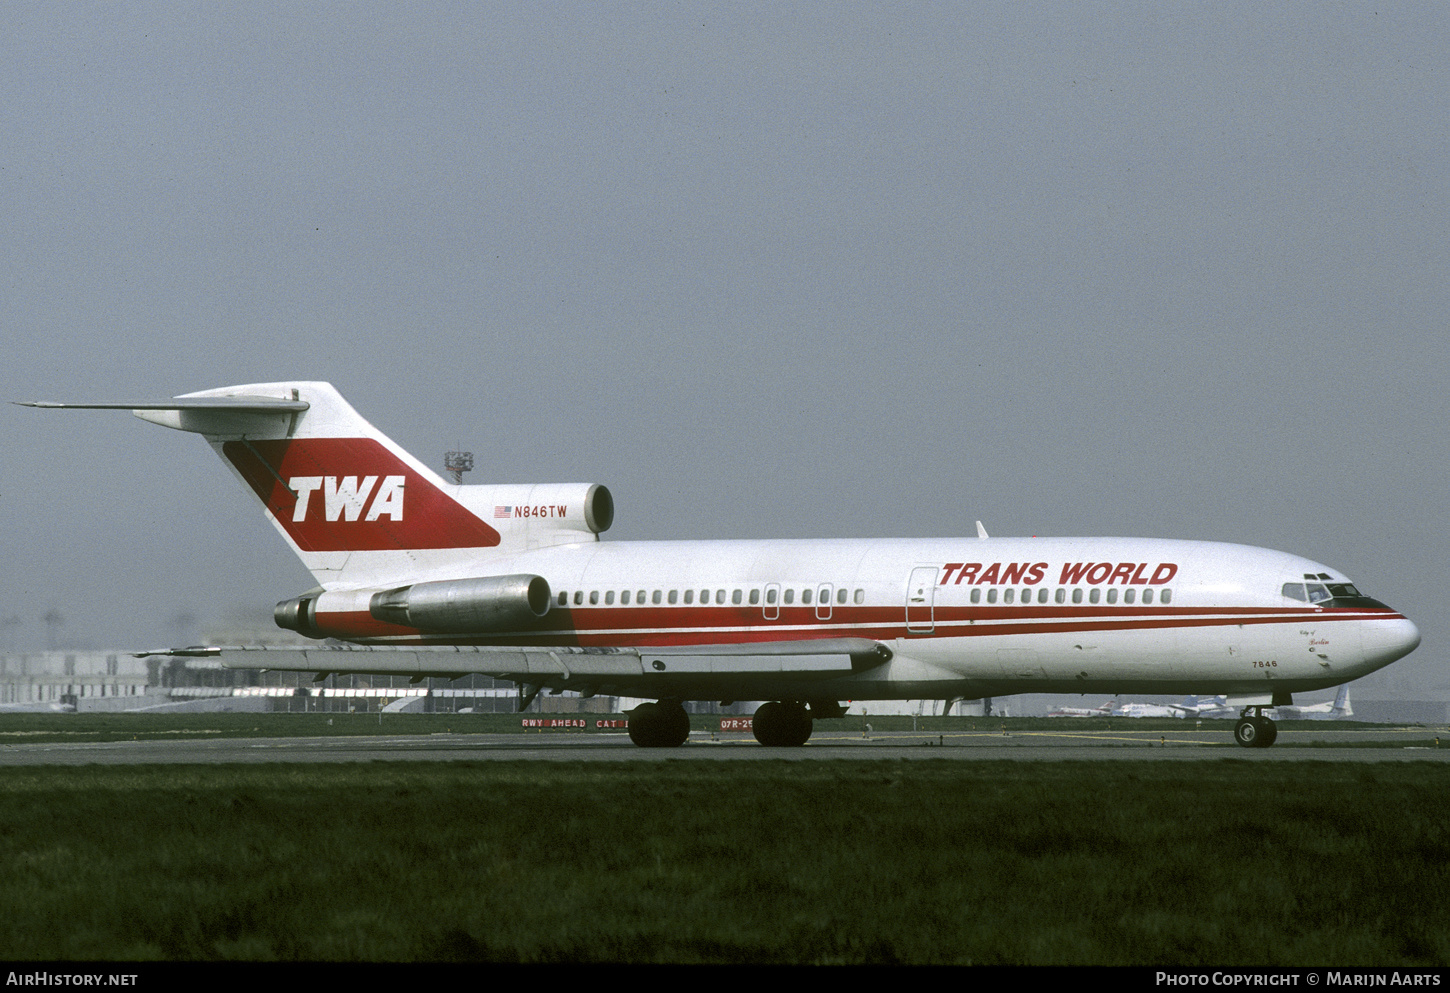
{"points": [[1220, 862]]}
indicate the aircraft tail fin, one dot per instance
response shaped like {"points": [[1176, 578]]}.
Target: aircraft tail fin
{"points": [[1342, 707]]}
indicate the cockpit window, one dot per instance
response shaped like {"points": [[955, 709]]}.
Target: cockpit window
{"points": [[1319, 592]]}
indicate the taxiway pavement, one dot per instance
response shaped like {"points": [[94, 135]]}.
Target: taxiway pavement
{"points": [[1392, 744]]}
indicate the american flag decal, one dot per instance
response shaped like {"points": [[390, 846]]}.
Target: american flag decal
{"points": [[502, 512]]}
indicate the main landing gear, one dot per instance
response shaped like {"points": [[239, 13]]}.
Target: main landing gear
{"points": [[1257, 731], [780, 723], [788, 723], [659, 725]]}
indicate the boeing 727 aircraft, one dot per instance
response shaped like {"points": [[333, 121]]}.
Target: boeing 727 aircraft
{"points": [[420, 576]]}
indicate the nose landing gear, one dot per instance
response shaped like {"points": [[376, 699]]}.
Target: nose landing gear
{"points": [[1257, 731]]}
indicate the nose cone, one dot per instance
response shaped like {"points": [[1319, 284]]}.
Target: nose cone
{"points": [[1385, 641]]}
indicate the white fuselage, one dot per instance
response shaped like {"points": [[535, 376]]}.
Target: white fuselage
{"points": [[963, 617]]}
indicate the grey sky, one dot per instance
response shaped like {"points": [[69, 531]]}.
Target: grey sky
{"points": [[764, 270]]}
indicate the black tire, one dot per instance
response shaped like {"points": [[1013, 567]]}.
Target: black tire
{"points": [[782, 725], [1246, 732], [675, 728], [659, 725], [1270, 735], [644, 725]]}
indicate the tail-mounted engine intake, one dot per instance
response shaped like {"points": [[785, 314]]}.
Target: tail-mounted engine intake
{"points": [[462, 606], [540, 514]]}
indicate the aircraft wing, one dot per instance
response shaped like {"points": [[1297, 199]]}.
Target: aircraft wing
{"points": [[660, 671]]}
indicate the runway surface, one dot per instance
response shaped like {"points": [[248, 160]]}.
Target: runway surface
{"points": [[1392, 744]]}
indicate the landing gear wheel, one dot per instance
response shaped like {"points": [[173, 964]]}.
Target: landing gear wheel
{"points": [[782, 725], [659, 725], [1256, 732], [1246, 732]]}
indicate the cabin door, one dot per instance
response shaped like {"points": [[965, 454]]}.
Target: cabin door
{"points": [[920, 600]]}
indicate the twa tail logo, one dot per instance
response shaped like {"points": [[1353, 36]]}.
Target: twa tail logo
{"points": [[344, 497], [353, 494]]}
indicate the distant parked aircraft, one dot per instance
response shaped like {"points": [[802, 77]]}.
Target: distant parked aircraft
{"points": [[1339, 710], [1106, 710]]}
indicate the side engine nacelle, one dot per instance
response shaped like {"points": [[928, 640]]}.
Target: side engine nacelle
{"points": [[460, 606], [453, 606]]}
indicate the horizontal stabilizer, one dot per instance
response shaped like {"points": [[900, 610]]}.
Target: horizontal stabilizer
{"points": [[255, 404], [244, 415]]}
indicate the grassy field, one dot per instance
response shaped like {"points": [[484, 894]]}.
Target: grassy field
{"points": [[1218, 862]]}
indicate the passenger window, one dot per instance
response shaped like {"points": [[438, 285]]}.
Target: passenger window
{"points": [[1129, 595], [609, 598], [1077, 596], [1165, 597], [1042, 595], [704, 597], [563, 599], [578, 597], [658, 596], [719, 596], [639, 597], [860, 596], [806, 596], [841, 595], [790, 596], [1061, 595], [976, 594], [736, 598], [1112, 596], [1148, 595], [992, 595], [674, 597], [1094, 596], [593, 597], [754, 597], [770, 595], [1009, 595], [689, 596]]}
